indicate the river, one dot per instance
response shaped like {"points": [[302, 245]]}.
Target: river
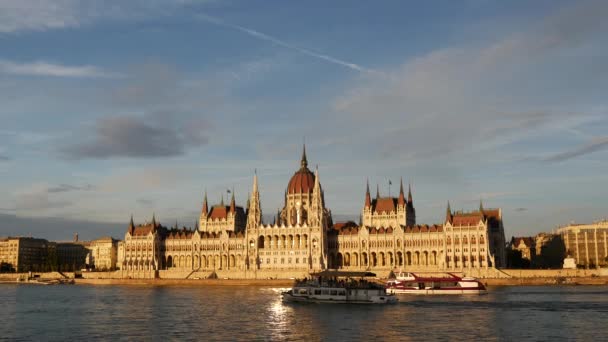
{"points": [[228, 313]]}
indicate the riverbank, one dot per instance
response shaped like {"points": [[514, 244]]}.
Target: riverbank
{"points": [[188, 282], [287, 282]]}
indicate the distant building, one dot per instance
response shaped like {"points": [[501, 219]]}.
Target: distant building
{"points": [[526, 245], [587, 243], [24, 254], [103, 253], [71, 256]]}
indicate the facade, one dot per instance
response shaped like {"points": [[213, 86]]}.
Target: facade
{"points": [[586, 243], [303, 237], [102, 253], [525, 245], [24, 254]]}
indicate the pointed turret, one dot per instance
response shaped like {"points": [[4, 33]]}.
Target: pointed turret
{"points": [[377, 191], [368, 198], [131, 225], [401, 200], [480, 205], [448, 213], [232, 203], [254, 208], [153, 220], [255, 181], [205, 209], [410, 201], [222, 201], [304, 161]]}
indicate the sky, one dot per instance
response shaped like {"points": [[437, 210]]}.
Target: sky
{"points": [[118, 108]]}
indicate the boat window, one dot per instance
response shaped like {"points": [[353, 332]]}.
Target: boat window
{"points": [[334, 292], [303, 291], [317, 292], [342, 293], [325, 292]]}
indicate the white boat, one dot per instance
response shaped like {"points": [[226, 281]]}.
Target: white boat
{"points": [[445, 283], [339, 287]]}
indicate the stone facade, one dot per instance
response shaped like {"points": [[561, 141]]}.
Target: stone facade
{"points": [[23, 254], [303, 237], [586, 243], [102, 254]]}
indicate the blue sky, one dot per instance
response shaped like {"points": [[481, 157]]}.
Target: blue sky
{"points": [[116, 108]]}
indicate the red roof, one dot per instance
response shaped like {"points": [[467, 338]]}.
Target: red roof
{"points": [[386, 204], [469, 219], [303, 181], [219, 211]]}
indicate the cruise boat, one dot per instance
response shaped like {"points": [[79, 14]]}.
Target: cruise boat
{"points": [[444, 283], [339, 287]]}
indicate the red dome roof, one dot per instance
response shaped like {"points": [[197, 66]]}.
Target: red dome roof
{"points": [[303, 181]]}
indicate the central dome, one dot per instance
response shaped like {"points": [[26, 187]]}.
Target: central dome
{"points": [[303, 181]]}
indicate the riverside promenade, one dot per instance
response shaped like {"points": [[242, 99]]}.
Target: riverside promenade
{"points": [[505, 277]]}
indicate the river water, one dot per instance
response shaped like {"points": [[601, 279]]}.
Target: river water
{"points": [[228, 313]]}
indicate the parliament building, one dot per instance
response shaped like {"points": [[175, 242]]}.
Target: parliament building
{"points": [[303, 237]]}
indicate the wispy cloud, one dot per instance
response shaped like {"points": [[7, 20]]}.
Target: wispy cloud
{"points": [[466, 98], [4, 158], [41, 68], [42, 15], [262, 36], [595, 145], [69, 187]]}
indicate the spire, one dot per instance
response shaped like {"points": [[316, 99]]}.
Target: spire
{"points": [[205, 209], [232, 204], [222, 200], [401, 200], [368, 200], [153, 220], [255, 181], [304, 162], [409, 194], [448, 213], [377, 191], [480, 205], [131, 225]]}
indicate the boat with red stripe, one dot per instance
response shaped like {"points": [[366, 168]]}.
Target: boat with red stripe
{"points": [[434, 284]]}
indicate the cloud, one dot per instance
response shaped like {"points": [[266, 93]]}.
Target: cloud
{"points": [[42, 15], [68, 187], [41, 68], [148, 203], [521, 209], [18, 15], [471, 98], [262, 36], [36, 201], [4, 158], [138, 137], [54, 228], [595, 145]]}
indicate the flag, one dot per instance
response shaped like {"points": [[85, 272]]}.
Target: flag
{"points": [[389, 182], [228, 190]]}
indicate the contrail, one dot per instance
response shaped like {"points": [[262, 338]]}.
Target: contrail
{"points": [[262, 36]]}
